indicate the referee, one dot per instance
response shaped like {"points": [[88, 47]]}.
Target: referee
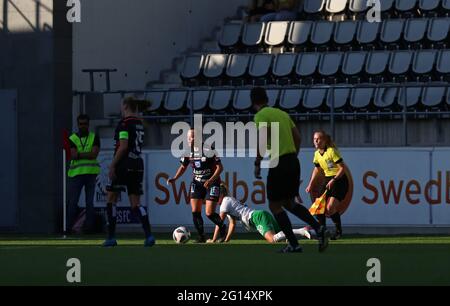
{"points": [[283, 181]]}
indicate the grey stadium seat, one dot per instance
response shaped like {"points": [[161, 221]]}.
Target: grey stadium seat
{"points": [[429, 5], [307, 64], [192, 66], [322, 32], [443, 64], [220, 99], [415, 29], [404, 6], [353, 63], [252, 34], [284, 64], [330, 63], [386, 5], [446, 5], [411, 94], [345, 32], [377, 62], [276, 32], [299, 32], [242, 101], [214, 65], [260, 65], [272, 95], [313, 6], [385, 97], [340, 95], [424, 61], [175, 100], [314, 98], [198, 99], [400, 62], [237, 65], [231, 32], [358, 6], [391, 31], [433, 96], [290, 99], [336, 6], [438, 29], [361, 97], [156, 97], [367, 33]]}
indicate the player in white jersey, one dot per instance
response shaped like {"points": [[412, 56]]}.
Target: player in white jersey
{"points": [[253, 220]]}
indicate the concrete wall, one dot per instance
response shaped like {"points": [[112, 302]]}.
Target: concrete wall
{"points": [[141, 38]]}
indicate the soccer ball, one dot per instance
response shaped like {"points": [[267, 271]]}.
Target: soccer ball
{"points": [[181, 235]]}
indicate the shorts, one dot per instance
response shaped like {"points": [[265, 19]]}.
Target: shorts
{"points": [[283, 181], [129, 175], [264, 222], [199, 192], [339, 189]]}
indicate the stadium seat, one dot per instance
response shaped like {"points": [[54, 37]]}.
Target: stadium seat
{"points": [[156, 98], [283, 67], [411, 94], [367, 33], [314, 98], [229, 37], [415, 30], [446, 6], [242, 101], [387, 7], [443, 65], [336, 6], [321, 34], [438, 31], [391, 32], [237, 67], [192, 67], [361, 97], [376, 65], [428, 6], [290, 99], [400, 64], [329, 66], [272, 95], [176, 100], [252, 35], [344, 33], [307, 64], [358, 7], [220, 99], [353, 65], [299, 33], [198, 99], [386, 97], [433, 97], [259, 68], [424, 63], [312, 8], [214, 67], [340, 95], [406, 7], [276, 33]]}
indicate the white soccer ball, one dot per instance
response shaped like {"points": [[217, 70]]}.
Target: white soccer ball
{"points": [[181, 235]]}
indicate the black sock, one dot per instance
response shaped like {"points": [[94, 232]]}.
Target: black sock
{"points": [[286, 226], [111, 216], [336, 217], [322, 219], [303, 213], [198, 222], [215, 218], [141, 212]]}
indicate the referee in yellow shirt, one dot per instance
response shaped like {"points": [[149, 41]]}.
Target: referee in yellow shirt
{"points": [[328, 162], [283, 180]]}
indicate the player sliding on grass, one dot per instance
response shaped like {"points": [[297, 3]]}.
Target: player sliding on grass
{"points": [[253, 220]]}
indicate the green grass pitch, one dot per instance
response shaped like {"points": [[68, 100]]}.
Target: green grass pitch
{"points": [[247, 260]]}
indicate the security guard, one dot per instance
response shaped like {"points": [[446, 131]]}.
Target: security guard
{"points": [[83, 171]]}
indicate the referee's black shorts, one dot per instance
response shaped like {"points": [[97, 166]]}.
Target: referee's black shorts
{"points": [[339, 189], [283, 181]]}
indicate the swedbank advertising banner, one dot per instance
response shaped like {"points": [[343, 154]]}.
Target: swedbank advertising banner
{"points": [[388, 186]]}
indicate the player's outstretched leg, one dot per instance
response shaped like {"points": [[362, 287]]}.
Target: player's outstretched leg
{"points": [[142, 215], [111, 216], [198, 223]]}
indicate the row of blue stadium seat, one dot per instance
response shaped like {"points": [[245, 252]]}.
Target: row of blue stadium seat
{"points": [[314, 9], [312, 68], [363, 98], [327, 35]]}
